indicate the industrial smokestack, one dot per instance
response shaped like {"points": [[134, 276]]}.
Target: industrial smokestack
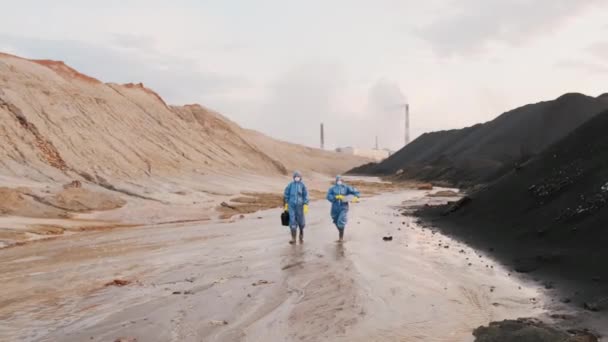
{"points": [[407, 123], [322, 138], [376, 142]]}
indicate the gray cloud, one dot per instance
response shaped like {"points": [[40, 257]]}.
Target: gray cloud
{"points": [[599, 49], [386, 112], [385, 96], [136, 42], [300, 99], [306, 95], [589, 67], [472, 25]]}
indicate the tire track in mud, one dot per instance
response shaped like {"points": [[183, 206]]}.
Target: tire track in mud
{"points": [[266, 317], [328, 301], [317, 298], [439, 298], [326, 309], [239, 330], [363, 290], [178, 328], [478, 299]]}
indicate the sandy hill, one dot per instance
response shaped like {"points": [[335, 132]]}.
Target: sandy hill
{"points": [[482, 152], [58, 126], [551, 212]]}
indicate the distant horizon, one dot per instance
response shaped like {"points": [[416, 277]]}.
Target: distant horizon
{"points": [[281, 69], [329, 147]]}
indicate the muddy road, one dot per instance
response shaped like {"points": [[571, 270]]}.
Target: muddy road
{"points": [[242, 281]]}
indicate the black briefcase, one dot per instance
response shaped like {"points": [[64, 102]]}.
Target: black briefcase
{"points": [[285, 218]]}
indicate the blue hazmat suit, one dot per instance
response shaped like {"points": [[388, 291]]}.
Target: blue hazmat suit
{"points": [[296, 196], [339, 208]]}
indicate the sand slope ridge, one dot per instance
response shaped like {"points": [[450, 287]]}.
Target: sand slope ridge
{"points": [[58, 124]]}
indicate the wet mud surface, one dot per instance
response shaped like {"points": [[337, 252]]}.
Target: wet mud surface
{"points": [[242, 281]]}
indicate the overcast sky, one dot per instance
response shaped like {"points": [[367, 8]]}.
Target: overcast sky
{"points": [[282, 67]]}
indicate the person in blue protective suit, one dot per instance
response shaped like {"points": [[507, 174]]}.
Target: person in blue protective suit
{"points": [[337, 195], [295, 199]]}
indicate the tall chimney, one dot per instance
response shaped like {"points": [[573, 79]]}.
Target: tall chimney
{"points": [[376, 142], [322, 137], [407, 123]]}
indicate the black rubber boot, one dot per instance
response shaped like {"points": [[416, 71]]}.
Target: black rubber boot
{"points": [[341, 238], [293, 237], [301, 235]]}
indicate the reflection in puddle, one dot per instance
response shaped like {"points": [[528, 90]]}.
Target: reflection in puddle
{"points": [[295, 257]]}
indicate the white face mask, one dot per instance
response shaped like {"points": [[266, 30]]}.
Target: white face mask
{"points": [[297, 179], [339, 182]]}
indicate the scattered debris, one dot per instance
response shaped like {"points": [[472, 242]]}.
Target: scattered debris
{"points": [[220, 281], [216, 322], [118, 282], [261, 282], [595, 305], [425, 186], [177, 292], [387, 238], [286, 267], [444, 193], [226, 205], [583, 335], [528, 329], [73, 184], [548, 285], [526, 267], [126, 339], [457, 206]]}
